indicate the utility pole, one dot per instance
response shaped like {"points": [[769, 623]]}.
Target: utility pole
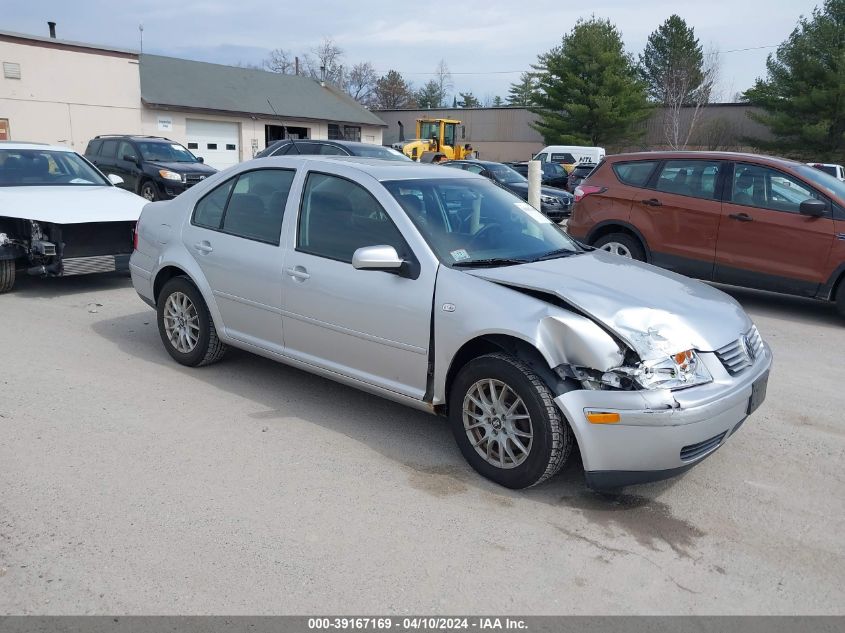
{"points": [[141, 35]]}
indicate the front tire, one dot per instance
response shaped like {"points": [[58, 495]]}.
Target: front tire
{"points": [[7, 275], [506, 423], [149, 191], [621, 244], [185, 325]]}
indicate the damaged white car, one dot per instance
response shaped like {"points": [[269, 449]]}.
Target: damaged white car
{"points": [[60, 216], [440, 290]]}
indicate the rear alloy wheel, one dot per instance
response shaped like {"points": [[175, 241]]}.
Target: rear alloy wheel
{"points": [[506, 423], [149, 191], [621, 244], [7, 274], [185, 325]]}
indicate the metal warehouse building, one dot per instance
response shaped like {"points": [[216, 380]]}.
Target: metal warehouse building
{"points": [[58, 91]]}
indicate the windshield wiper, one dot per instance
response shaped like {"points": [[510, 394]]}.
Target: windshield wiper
{"points": [[561, 252], [493, 261]]}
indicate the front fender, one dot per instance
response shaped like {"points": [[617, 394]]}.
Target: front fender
{"points": [[467, 307]]}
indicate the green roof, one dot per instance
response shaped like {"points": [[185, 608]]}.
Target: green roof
{"points": [[172, 82]]}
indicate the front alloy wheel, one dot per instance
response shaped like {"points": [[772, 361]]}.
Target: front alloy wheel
{"points": [[149, 191], [506, 423], [497, 423]]}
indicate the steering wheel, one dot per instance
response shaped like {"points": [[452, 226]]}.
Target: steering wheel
{"points": [[484, 234]]}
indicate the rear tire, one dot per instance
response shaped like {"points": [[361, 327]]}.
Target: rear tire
{"points": [[621, 244], [517, 437], [7, 275], [185, 325], [840, 298]]}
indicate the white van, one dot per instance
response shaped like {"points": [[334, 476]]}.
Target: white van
{"points": [[570, 154], [837, 171]]}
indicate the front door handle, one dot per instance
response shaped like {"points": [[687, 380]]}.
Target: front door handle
{"points": [[203, 247], [741, 217], [298, 272], [652, 202]]}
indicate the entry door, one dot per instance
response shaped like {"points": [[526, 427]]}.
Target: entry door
{"points": [[370, 325], [764, 242], [679, 214], [217, 141], [234, 237]]}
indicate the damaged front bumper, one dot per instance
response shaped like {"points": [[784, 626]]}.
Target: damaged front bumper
{"points": [[662, 433]]}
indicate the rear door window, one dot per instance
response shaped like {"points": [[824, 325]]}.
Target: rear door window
{"points": [[694, 178], [109, 149], [257, 204], [93, 148], [634, 173]]}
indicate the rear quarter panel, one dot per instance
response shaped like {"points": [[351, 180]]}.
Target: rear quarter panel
{"points": [[612, 205]]}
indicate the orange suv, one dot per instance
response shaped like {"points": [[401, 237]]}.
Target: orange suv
{"points": [[739, 219]]}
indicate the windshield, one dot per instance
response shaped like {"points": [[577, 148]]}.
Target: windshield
{"points": [[165, 152], [832, 186], [473, 221], [506, 175], [553, 170], [377, 151], [43, 167]]}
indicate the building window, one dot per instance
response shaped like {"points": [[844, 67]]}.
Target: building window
{"points": [[211, 146], [230, 146], [334, 132], [352, 133], [193, 146]]}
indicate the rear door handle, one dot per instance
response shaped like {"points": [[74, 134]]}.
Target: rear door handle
{"points": [[203, 247], [742, 217], [652, 202], [298, 272]]}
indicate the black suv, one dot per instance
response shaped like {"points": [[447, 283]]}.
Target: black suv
{"points": [[151, 166], [291, 147], [554, 175]]}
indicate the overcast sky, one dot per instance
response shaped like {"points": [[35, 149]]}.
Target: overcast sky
{"points": [[481, 40]]}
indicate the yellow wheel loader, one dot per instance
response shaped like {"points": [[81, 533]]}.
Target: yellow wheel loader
{"points": [[436, 140]]}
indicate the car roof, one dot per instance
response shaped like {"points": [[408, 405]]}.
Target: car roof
{"points": [[681, 155], [475, 161], [133, 137], [378, 168], [33, 145]]}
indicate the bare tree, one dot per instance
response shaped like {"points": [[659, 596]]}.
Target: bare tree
{"points": [[327, 55], [280, 61], [443, 78], [683, 102], [361, 82]]}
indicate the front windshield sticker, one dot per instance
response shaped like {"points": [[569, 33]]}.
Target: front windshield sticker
{"points": [[536, 215], [459, 255]]}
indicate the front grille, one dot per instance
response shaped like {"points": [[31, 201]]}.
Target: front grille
{"points": [[192, 179], [741, 353], [88, 265], [694, 451]]}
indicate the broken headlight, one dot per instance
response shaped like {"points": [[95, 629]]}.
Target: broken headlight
{"points": [[680, 370]]}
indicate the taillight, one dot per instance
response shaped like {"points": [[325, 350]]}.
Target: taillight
{"points": [[582, 191], [135, 236]]}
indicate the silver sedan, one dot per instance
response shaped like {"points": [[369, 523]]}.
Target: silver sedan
{"points": [[442, 291]]}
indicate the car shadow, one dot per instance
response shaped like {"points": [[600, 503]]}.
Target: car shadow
{"points": [[50, 287], [781, 306], [421, 443]]}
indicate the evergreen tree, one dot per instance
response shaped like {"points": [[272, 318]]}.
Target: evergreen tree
{"points": [[803, 95], [589, 92], [522, 92], [392, 91], [468, 100], [430, 95], [498, 102], [672, 64]]}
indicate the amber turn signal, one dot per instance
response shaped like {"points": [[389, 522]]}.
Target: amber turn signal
{"points": [[602, 417]]}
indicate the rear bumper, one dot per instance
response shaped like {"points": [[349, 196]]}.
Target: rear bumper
{"points": [[662, 433]]}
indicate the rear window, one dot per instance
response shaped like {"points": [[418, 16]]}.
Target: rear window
{"points": [[634, 173]]}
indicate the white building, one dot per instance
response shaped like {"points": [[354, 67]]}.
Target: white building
{"points": [[57, 91]]}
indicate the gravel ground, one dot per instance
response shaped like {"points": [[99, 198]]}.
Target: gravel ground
{"points": [[133, 485]]}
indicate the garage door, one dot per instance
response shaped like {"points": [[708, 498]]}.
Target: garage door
{"points": [[216, 141]]}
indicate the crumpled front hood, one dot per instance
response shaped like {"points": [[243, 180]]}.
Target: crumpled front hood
{"points": [[70, 204], [655, 311]]}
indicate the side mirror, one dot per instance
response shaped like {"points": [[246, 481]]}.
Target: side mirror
{"points": [[377, 258], [115, 179], [131, 159], [200, 159], [813, 208]]}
